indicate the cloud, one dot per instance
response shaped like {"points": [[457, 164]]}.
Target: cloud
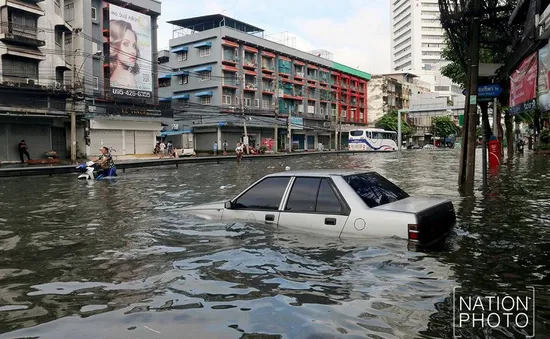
{"points": [[357, 32], [359, 40]]}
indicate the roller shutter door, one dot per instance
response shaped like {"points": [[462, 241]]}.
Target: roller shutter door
{"points": [[110, 138], [144, 142], [129, 142], [37, 137]]}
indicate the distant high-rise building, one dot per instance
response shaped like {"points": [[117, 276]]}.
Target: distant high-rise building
{"points": [[417, 43]]}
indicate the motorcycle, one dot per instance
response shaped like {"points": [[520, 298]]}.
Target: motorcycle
{"points": [[89, 167]]}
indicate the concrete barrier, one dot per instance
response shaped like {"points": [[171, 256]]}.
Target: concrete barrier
{"points": [[122, 166]]}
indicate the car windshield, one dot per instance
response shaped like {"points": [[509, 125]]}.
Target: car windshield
{"points": [[374, 189]]}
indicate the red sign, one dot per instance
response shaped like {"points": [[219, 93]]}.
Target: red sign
{"points": [[523, 86]]}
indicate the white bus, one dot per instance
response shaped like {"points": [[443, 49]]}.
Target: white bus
{"points": [[372, 139]]}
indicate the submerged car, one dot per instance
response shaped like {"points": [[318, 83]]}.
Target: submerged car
{"points": [[336, 202]]}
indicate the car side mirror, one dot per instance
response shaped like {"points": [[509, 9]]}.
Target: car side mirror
{"points": [[228, 205]]}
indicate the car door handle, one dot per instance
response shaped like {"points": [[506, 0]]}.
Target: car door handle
{"points": [[270, 217], [330, 221]]}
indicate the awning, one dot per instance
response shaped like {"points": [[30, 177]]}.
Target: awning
{"points": [[165, 76], [230, 43], [26, 6], [299, 63], [179, 49], [25, 51], [230, 69], [204, 94], [312, 66], [250, 49], [165, 99], [203, 44], [180, 73], [269, 54], [167, 133], [250, 72], [181, 96], [203, 69]]}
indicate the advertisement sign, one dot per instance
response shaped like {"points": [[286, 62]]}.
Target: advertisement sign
{"points": [[523, 86], [130, 53], [544, 78]]}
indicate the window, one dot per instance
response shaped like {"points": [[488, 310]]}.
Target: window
{"points": [[313, 195], [94, 13], [96, 83], [247, 102], [19, 68], [356, 133], [327, 200], [184, 79], [206, 100], [265, 103], [322, 111], [204, 51], [303, 195], [57, 7], [59, 38], [226, 100], [182, 56], [69, 12], [237, 101], [374, 189], [257, 102], [265, 195], [68, 41], [205, 76]]}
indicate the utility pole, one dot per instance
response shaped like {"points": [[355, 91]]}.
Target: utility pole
{"points": [[289, 129], [73, 104], [399, 130], [245, 141], [472, 98], [276, 127]]}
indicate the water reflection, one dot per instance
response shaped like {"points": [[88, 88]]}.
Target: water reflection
{"points": [[118, 260]]}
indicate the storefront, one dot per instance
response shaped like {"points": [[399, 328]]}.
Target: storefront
{"points": [[40, 133], [131, 131]]}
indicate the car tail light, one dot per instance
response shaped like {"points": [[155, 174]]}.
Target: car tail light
{"points": [[413, 232]]}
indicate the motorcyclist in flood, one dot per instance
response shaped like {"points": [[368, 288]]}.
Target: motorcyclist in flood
{"points": [[104, 162]]}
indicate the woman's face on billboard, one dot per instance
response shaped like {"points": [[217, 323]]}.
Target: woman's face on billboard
{"points": [[128, 49]]}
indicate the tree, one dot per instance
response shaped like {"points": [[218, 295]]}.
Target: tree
{"points": [[444, 126], [389, 122]]}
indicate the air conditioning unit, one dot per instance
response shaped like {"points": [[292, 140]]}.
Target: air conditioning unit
{"points": [[57, 85], [30, 81], [326, 124]]}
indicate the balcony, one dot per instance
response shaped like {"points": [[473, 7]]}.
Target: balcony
{"points": [[230, 57], [16, 33], [249, 64], [230, 83]]}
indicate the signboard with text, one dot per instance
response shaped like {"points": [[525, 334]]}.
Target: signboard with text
{"points": [[523, 86], [130, 54]]}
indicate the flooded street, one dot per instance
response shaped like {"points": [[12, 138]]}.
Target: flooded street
{"points": [[118, 260]]}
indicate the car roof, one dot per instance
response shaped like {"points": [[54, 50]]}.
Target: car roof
{"points": [[319, 173]]}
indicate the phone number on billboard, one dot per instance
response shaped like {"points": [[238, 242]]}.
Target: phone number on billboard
{"points": [[131, 93]]}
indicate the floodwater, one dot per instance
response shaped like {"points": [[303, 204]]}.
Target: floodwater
{"points": [[118, 260]]}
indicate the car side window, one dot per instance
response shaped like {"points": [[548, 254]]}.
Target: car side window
{"points": [[303, 195], [265, 195], [327, 200]]}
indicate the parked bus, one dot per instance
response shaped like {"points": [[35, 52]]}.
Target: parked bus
{"points": [[372, 139]]}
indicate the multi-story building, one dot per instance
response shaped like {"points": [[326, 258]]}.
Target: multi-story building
{"points": [[54, 51], [392, 91], [417, 40], [114, 49], [221, 65], [32, 102]]}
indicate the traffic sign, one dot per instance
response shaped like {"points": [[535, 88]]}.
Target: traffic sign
{"points": [[487, 91]]}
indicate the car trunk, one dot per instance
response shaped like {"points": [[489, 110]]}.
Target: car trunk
{"points": [[435, 218]]}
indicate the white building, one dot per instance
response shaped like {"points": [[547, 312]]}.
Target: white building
{"points": [[417, 42]]}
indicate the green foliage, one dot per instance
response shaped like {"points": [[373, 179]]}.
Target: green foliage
{"points": [[545, 136], [389, 122], [444, 126]]}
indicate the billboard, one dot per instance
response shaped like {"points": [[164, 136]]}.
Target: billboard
{"points": [[130, 53], [523, 86], [544, 78]]}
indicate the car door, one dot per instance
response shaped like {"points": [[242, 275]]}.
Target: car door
{"points": [[260, 203], [314, 205]]}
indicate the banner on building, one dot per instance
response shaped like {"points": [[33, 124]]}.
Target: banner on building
{"points": [[130, 54], [523, 86], [544, 78]]}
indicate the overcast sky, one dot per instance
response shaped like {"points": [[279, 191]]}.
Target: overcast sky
{"points": [[357, 32]]}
